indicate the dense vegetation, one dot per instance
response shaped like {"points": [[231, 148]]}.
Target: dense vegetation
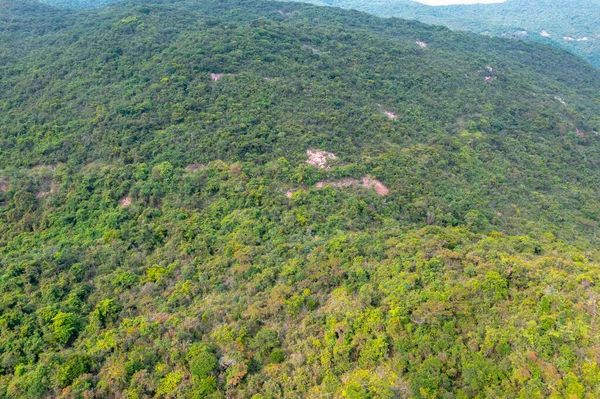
{"points": [[569, 24], [161, 234]]}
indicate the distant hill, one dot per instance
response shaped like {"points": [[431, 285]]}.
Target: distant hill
{"points": [[569, 24]]}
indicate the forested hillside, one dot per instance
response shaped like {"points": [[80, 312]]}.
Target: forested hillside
{"points": [[250, 199], [569, 24]]}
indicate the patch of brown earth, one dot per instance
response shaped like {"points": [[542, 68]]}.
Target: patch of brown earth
{"points": [[579, 133], [41, 166], [313, 49], [195, 166], [45, 193], [390, 115], [216, 76], [289, 193], [375, 184], [319, 158], [365, 181], [125, 202], [3, 187]]}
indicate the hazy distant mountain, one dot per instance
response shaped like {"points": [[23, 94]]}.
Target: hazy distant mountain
{"points": [[569, 24]]}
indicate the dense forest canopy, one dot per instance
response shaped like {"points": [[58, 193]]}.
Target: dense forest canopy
{"points": [[569, 24], [163, 235]]}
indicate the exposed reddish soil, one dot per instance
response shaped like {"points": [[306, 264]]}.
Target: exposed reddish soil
{"points": [[195, 166], [366, 182], [125, 202]]}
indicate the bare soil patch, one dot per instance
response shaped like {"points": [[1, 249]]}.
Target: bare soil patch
{"points": [[195, 166], [390, 115], [42, 166], [319, 158], [313, 49], [125, 202], [45, 193], [365, 181], [287, 14]]}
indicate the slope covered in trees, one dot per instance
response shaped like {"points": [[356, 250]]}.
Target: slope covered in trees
{"points": [[162, 235], [569, 24]]}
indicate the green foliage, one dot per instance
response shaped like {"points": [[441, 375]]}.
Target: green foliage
{"points": [[72, 368], [64, 327], [567, 24], [162, 235], [277, 356], [203, 364]]}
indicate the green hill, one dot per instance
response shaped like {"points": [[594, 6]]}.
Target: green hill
{"points": [[571, 24], [163, 235]]}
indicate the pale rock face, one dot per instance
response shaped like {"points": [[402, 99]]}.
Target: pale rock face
{"points": [[319, 158], [390, 115]]}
